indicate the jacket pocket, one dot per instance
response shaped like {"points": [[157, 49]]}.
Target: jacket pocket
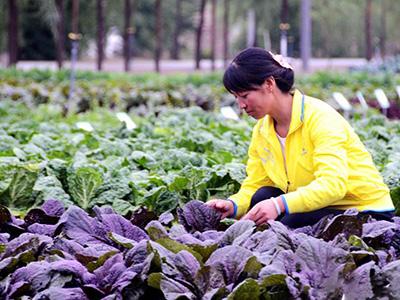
{"points": [[304, 172], [305, 164]]}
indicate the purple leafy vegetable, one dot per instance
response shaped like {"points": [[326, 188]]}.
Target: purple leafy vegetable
{"points": [[196, 216], [119, 225], [53, 208], [229, 262], [141, 217], [62, 293]]}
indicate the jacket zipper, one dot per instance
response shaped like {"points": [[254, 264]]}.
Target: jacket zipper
{"points": [[284, 160], [285, 165], [287, 179]]}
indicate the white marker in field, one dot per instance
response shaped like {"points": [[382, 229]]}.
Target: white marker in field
{"points": [[382, 100], [362, 100], [85, 126], [398, 90], [229, 113], [344, 104], [125, 118], [363, 103]]}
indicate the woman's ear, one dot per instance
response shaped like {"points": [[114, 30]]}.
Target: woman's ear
{"points": [[269, 84]]}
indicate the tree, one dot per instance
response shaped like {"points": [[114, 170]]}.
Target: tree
{"points": [[35, 36], [261, 14], [3, 26], [368, 30], [199, 32], [305, 33], [100, 33], [348, 38], [60, 36], [251, 28], [382, 35], [75, 37], [177, 30], [158, 46], [75, 16], [128, 32], [284, 27], [226, 32], [12, 32], [213, 32]]}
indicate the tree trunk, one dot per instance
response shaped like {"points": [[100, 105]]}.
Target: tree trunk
{"points": [[199, 34], [305, 36], [382, 39], [368, 30], [226, 32], [128, 32], [178, 24], [12, 32], [284, 11], [284, 27], [60, 38], [100, 34], [75, 17], [158, 46], [251, 28], [74, 37], [213, 32]]}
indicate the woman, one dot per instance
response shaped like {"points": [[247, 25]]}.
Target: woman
{"points": [[305, 160]]}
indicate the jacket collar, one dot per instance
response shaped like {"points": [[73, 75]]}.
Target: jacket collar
{"points": [[297, 119]]}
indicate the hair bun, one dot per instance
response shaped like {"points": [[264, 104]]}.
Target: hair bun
{"points": [[281, 60]]}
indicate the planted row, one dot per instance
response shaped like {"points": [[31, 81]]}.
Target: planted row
{"points": [[171, 158], [145, 93], [115, 95], [382, 139], [56, 253]]}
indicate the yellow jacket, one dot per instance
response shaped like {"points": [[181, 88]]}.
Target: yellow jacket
{"points": [[327, 164]]}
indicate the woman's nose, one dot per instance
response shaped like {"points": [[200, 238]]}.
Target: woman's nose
{"points": [[241, 103]]}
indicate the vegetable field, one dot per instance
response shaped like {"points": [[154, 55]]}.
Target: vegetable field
{"points": [[167, 160], [171, 158], [66, 254], [91, 208], [145, 93]]}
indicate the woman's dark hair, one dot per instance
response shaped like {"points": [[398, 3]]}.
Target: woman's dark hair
{"points": [[251, 67]]}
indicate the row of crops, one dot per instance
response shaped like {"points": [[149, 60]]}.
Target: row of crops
{"points": [[112, 212], [178, 155], [146, 93], [58, 253], [388, 64]]}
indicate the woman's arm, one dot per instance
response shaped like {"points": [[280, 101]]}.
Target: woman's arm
{"points": [[256, 178], [266, 210]]}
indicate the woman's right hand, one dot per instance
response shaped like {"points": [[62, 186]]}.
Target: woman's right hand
{"points": [[223, 206]]}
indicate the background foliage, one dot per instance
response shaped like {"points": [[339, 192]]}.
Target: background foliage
{"points": [[338, 26]]}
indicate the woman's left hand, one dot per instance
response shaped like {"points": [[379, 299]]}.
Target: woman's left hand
{"points": [[262, 212]]}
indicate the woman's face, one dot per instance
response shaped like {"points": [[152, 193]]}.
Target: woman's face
{"points": [[257, 103]]}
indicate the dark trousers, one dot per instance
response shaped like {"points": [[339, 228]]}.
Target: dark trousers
{"points": [[297, 220]]}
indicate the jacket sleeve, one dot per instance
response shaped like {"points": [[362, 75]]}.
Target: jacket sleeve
{"points": [[256, 178], [329, 134]]}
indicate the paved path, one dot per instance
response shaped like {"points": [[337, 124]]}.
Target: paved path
{"points": [[176, 66]]}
